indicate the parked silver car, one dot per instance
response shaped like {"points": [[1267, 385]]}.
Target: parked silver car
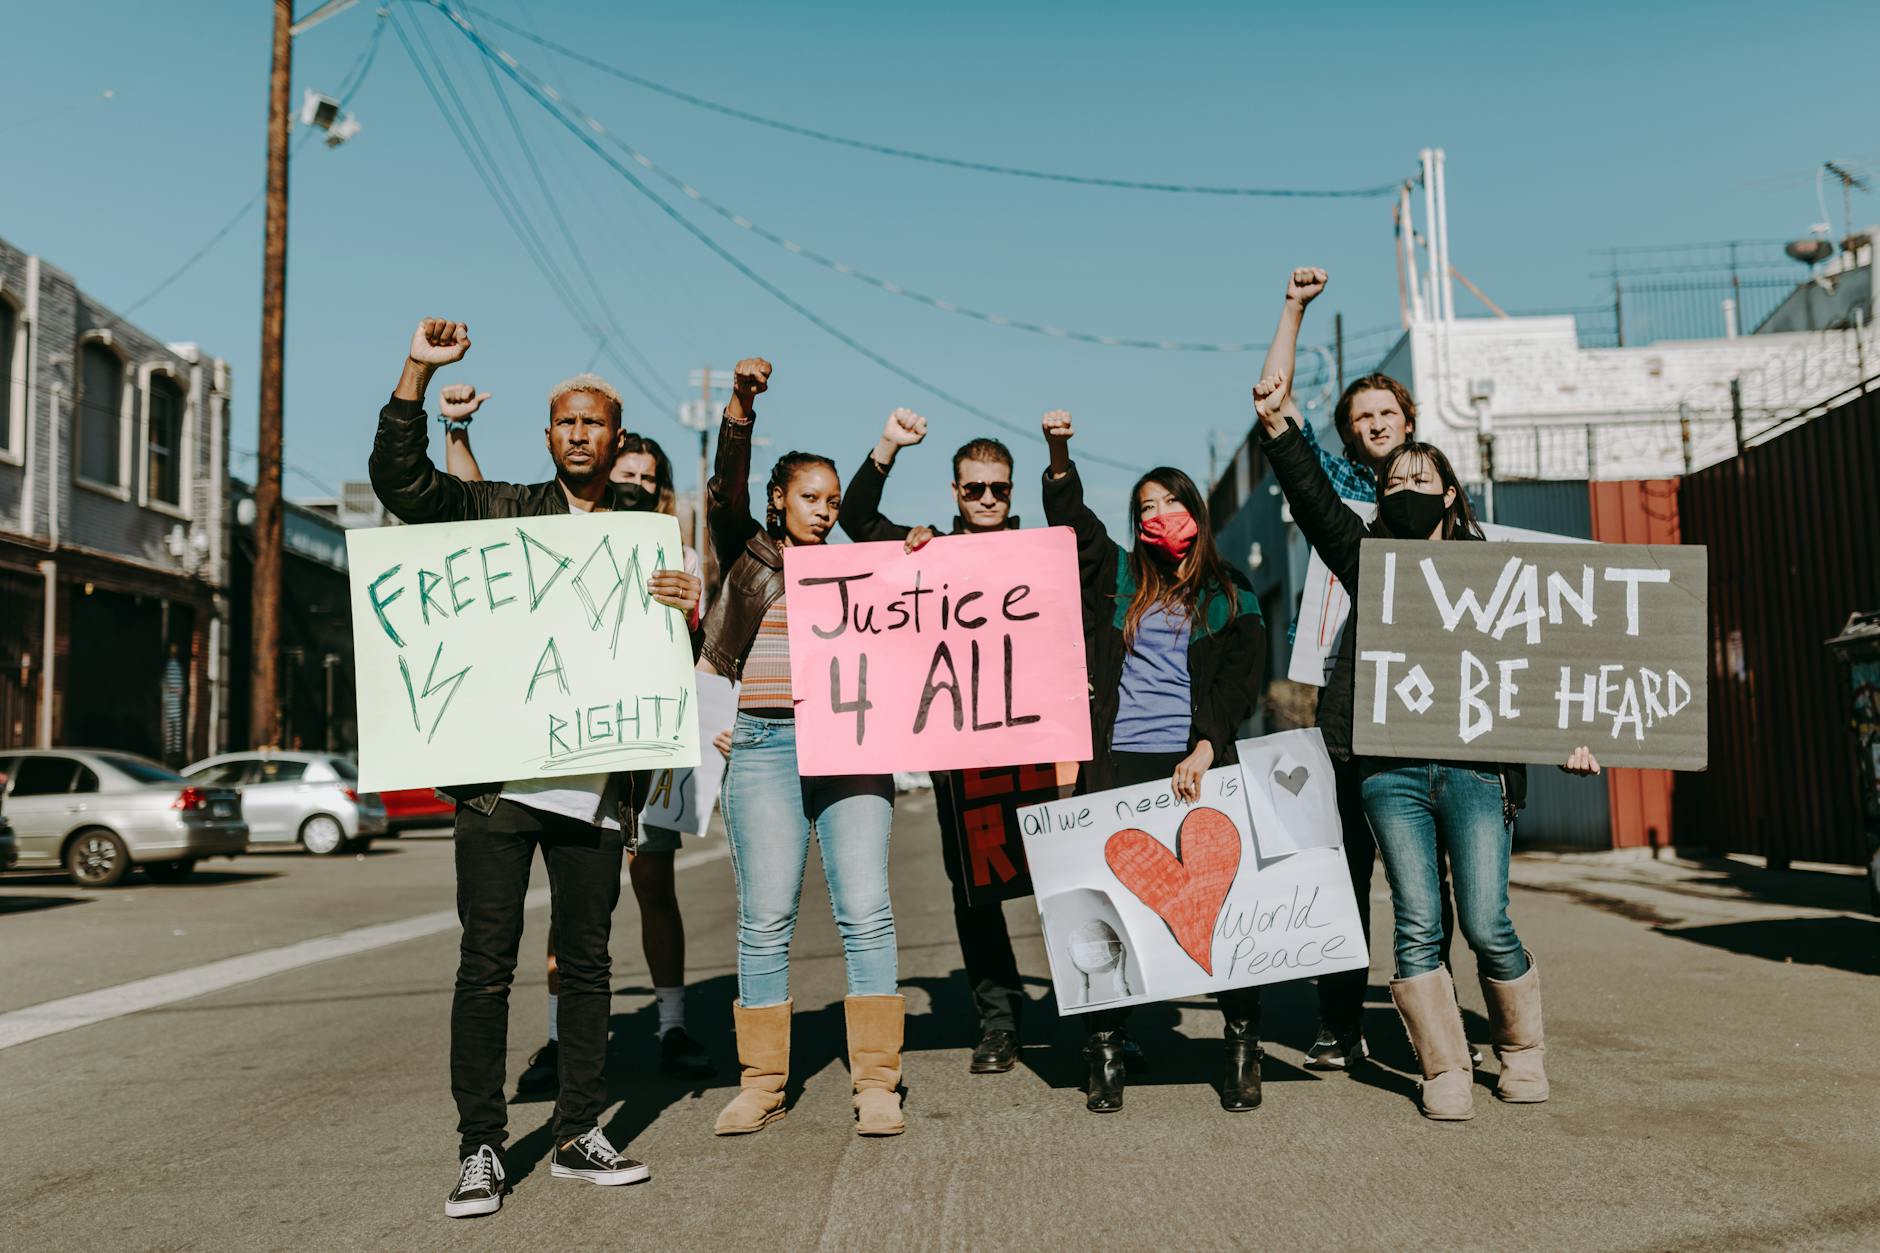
{"points": [[97, 813], [305, 798]]}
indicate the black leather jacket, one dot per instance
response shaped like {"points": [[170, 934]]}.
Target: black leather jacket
{"points": [[750, 557], [416, 491], [1338, 535]]}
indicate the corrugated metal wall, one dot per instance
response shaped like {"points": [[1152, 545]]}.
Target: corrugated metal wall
{"points": [[1793, 527]]}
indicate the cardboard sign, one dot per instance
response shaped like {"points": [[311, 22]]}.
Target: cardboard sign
{"points": [[1325, 604], [681, 799], [518, 648], [967, 653], [986, 804], [1520, 652], [1146, 898]]}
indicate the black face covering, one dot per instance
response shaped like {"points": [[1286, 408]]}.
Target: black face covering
{"points": [[1410, 514], [635, 498]]}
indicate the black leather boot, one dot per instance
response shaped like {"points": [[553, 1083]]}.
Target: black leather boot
{"points": [[1104, 1051], [1240, 1080]]}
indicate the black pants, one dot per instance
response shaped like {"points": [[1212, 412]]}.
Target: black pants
{"points": [[985, 943], [1341, 995], [493, 858], [1237, 1004]]}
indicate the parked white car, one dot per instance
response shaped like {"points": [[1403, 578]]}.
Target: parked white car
{"points": [[98, 813], [298, 798]]}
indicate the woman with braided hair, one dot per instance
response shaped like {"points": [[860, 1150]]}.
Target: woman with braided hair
{"points": [[770, 810]]}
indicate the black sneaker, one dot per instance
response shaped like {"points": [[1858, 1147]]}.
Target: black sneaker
{"points": [[1336, 1050], [593, 1159], [997, 1052], [479, 1187], [544, 1072], [681, 1055]]}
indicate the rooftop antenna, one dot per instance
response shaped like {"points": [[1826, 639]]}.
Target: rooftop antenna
{"points": [[1849, 181]]}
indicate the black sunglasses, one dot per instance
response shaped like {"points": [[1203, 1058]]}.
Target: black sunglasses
{"points": [[973, 491]]}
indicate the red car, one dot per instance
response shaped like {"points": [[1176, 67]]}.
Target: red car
{"points": [[416, 807]]}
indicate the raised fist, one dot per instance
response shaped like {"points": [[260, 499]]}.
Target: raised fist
{"points": [[1057, 425], [1268, 395], [905, 428], [459, 400], [750, 377], [1306, 282], [439, 342]]}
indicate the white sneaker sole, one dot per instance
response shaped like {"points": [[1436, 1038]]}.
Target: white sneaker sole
{"points": [[606, 1178], [472, 1209]]}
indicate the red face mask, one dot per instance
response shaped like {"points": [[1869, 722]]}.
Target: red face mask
{"points": [[1173, 533]]}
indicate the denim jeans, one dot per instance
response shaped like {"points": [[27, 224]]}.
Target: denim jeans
{"points": [[770, 811], [493, 853], [1418, 807]]}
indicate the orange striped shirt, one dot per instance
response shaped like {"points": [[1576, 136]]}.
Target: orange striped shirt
{"points": [[766, 681]]}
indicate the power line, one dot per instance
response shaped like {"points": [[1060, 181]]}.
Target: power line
{"points": [[518, 223], [106, 94], [858, 273], [983, 167], [561, 222], [538, 92], [361, 66]]}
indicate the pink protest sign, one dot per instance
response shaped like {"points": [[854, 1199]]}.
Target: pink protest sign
{"points": [[969, 652]]}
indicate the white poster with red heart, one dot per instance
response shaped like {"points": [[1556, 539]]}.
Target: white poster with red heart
{"points": [[1145, 897]]}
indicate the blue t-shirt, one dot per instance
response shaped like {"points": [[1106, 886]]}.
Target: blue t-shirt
{"points": [[1152, 711]]}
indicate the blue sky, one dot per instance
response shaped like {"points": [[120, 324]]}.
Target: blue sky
{"points": [[1568, 128]]}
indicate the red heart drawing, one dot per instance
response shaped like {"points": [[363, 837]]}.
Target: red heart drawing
{"points": [[1185, 888]]}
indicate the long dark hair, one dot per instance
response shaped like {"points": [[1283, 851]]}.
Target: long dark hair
{"points": [[781, 474], [668, 502], [1181, 587], [1459, 518]]}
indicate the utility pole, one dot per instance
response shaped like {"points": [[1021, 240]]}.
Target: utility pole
{"points": [[264, 665], [264, 727], [704, 458], [1338, 346]]}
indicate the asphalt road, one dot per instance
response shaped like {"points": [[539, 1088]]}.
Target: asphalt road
{"points": [[1713, 1046]]}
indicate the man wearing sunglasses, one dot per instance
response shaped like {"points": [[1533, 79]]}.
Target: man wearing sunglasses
{"points": [[982, 492]]}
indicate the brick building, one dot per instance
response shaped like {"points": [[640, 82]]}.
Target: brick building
{"points": [[113, 525]]}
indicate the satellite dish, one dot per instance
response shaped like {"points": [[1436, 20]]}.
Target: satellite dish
{"points": [[1810, 251]]}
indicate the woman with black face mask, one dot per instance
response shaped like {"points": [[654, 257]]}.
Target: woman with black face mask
{"points": [[1176, 649], [1415, 807]]}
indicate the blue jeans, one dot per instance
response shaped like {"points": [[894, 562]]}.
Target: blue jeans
{"points": [[769, 813], [1414, 807]]}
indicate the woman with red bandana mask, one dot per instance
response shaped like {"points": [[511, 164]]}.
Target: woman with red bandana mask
{"points": [[1176, 649]]}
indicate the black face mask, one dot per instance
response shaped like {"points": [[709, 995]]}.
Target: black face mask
{"points": [[635, 498], [1410, 514]]}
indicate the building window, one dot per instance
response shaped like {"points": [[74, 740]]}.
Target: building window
{"points": [[9, 366], [164, 473], [100, 416]]}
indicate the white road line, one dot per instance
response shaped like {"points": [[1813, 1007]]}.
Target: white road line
{"points": [[86, 1009]]}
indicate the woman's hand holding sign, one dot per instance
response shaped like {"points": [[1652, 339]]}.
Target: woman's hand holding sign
{"points": [[1581, 761], [1191, 770]]}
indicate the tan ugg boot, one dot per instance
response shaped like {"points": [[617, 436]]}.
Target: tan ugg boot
{"points": [[1428, 1005], [875, 1032], [764, 1053], [1514, 1014]]}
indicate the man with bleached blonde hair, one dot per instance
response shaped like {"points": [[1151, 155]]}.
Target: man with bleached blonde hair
{"points": [[583, 824]]}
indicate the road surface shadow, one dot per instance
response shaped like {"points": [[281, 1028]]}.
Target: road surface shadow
{"points": [[32, 904], [1844, 943]]}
